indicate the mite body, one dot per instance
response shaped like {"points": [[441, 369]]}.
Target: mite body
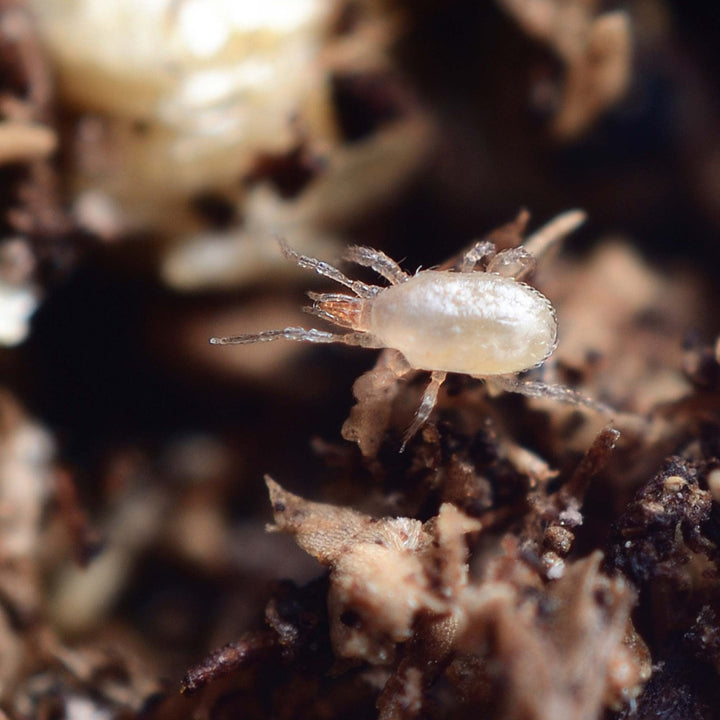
{"points": [[474, 323], [484, 323]]}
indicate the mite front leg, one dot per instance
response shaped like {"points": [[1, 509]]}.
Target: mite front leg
{"points": [[427, 404], [299, 334], [326, 270], [378, 261]]}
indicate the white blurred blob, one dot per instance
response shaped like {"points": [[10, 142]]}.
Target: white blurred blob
{"points": [[19, 297], [220, 260], [187, 91], [17, 304]]}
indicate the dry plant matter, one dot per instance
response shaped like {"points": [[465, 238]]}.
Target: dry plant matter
{"points": [[595, 48]]}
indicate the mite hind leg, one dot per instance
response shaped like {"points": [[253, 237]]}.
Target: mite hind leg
{"points": [[531, 388], [378, 261], [481, 250], [516, 263], [437, 378]]}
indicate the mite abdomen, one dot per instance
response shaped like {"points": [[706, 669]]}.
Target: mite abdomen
{"points": [[474, 323]]}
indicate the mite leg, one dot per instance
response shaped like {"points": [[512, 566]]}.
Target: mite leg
{"points": [[561, 393], [516, 263], [429, 399], [299, 334], [378, 261], [541, 241], [328, 271], [479, 251]]}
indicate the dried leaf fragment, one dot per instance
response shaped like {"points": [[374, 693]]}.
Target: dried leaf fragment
{"points": [[375, 392], [596, 51], [384, 572], [23, 142], [563, 656]]}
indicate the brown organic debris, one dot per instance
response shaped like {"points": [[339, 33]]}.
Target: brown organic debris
{"points": [[596, 50], [401, 586], [24, 142], [384, 573], [542, 643]]}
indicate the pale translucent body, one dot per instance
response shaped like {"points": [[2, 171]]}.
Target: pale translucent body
{"points": [[487, 324], [474, 323]]}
